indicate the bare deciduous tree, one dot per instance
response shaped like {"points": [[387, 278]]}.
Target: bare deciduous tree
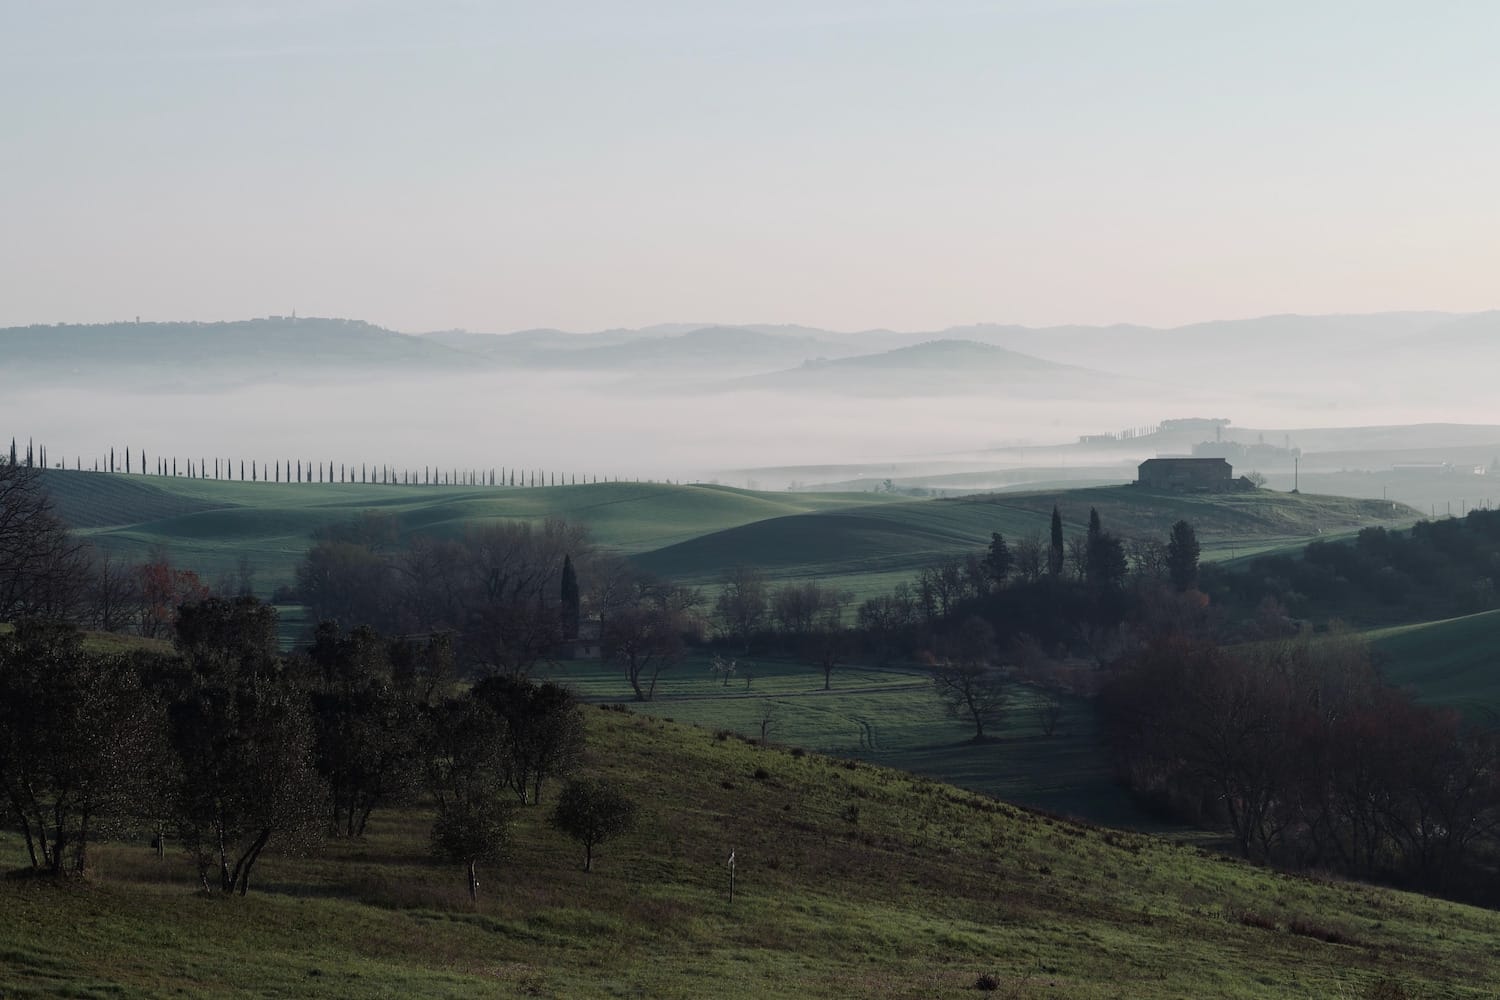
{"points": [[648, 635], [740, 608], [43, 572], [966, 679]]}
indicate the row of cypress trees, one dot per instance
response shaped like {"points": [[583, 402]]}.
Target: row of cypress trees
{"points": [[297, 471]]}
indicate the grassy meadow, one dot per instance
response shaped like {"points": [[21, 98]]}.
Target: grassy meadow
{"points": [[852, 881], [1455, 662], [890, 716]]}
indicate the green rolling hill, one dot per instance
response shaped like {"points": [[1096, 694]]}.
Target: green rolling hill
{"points": [[1454, 662], [899, 538], [867, 540], [852, 881]]}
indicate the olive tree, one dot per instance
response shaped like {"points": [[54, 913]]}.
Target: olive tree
{"points": [[592, 811]]}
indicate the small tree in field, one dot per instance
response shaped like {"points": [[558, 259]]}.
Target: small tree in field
{"points": [[472, 829], [468, 770], [591, 811]]}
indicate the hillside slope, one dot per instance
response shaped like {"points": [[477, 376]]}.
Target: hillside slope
{"points": [[275, 346], [912, 534], [852, 881], [208, 524], [938, 367], [1450, 662]]}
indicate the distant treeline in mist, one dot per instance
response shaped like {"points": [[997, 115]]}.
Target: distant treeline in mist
{"points": [[128, 462]]}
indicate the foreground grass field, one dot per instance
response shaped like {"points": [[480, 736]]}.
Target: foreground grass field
{"points": [[853, 881]]}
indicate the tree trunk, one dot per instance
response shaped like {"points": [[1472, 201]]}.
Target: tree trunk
{"points": [[473, 883]]}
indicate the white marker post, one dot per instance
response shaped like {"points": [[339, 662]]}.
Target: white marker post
{"points": [[731, 878]]}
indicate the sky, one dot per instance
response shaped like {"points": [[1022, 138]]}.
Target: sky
{"points": [[909, 164]]}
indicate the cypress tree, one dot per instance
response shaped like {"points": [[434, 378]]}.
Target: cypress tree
{"points": [[570, 599], [1055, 546], [1182, 556]]}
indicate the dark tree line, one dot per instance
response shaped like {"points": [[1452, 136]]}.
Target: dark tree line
{"points": [[230, 748], [1308, 758], [1435, 569], [497, 588]]}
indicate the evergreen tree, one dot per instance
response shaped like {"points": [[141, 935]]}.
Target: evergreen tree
{"points": [[1182, 556], [1104, 565], [1055, 546], [998, 561], [570, 599]]}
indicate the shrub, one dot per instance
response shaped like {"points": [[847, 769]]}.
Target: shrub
{"points": [[1260, 920], [987, 983], [1319, 932]]}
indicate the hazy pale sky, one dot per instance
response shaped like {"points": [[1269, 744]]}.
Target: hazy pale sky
{"points": [[908, 163]]}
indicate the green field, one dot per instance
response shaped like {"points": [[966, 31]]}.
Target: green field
{"points": [[1455, 662], [852, 881], [209, 525], [868, 542], [891, 716]]}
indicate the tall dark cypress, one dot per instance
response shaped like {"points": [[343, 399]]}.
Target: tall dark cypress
{"points": [[1055, 546], [570, 599]]}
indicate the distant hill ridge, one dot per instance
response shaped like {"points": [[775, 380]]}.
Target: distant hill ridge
{"points": [[1327, 352]]}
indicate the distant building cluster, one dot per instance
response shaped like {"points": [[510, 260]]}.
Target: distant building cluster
{"points": [[1191, 425]]}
